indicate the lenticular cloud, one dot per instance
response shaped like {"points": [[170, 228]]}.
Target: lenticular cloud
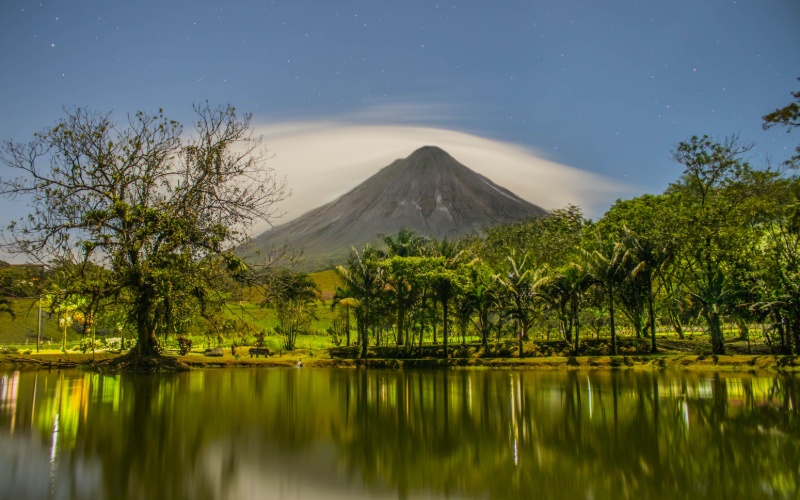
{"points": [[323, 160]]}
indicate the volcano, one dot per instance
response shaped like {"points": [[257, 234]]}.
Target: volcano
{"points": [[429, 193]]}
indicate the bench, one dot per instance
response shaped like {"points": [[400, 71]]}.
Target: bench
{"points": [[257, 351]]}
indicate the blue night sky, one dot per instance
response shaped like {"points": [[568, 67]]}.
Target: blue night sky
{"points": [[605, 87]]}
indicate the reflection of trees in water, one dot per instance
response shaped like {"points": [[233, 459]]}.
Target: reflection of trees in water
{"points": [[151, 433], [501, 434], [571, 434]]}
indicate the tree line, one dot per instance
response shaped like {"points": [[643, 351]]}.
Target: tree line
{"points": [[138, 225], [719, 246]]}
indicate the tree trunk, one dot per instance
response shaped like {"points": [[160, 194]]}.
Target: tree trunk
{"points": [[401, 323], [444, 327], [653, 347], [485, 334], [715, 329], [676, 323], [146, 343], [744, 331], [611, 319], [577, 320], [434, 323], [364, 338], [347, 324]]}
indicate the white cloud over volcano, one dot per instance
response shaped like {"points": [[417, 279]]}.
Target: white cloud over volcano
{"points": [[323, 160]]}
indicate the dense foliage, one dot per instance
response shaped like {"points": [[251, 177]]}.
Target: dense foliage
{"points": [[137, 227]]}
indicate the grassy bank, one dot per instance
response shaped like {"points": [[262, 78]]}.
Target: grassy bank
{"points": [[323, 359]]}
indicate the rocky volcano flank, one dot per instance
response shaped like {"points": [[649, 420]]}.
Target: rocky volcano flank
{"points": [[429, 193]]}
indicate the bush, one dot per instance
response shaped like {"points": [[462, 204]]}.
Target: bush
{"points": [[184, 344], [112, 343], [334, 335], [260, 338], [87, 344], [159, 347]]}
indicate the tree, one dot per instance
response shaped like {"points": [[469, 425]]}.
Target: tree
{"points": [[789, 117], [778, 267], [157, 210], [291, 294], [649, 256], [715, 200], [519, 286], [446, 277], [341, 299], [402, 288], [363, 281], [483, 298], [564, 291], [604, 266], [408, 244], [552, 240], [7, 306]]}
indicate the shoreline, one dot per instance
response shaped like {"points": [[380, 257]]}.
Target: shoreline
{"points": [[195, 361]]}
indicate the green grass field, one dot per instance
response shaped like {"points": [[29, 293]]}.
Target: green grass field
{"points": [[21, 331]]}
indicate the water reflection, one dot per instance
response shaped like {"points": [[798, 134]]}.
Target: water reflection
{"points": [[289, 433]]}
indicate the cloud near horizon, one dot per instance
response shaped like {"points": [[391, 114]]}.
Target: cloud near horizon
{"points": [[323, 160]]}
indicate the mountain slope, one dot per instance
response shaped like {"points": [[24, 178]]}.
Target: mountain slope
{"points": [[429, 193]]}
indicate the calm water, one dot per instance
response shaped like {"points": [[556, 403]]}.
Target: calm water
{"points": [[312, 433]]}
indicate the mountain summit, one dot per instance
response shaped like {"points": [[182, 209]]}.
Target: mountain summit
{"points": [[429, 192]]}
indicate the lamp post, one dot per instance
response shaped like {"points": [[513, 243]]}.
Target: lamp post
{"points": [[39, 327], [64, 307]]}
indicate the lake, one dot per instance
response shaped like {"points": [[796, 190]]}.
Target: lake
{"points": [[326, 433]]}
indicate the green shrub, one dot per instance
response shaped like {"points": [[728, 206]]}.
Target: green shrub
{"points": [[184, 344], [87, 344], [260, 338], [112, 343], [334, 335]]}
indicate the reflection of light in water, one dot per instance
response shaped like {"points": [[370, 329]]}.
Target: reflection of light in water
{"points": [[516, 455], [9, 385], [53, 453], [589, 396], [516, 401], [469, 394], [685, 407]]}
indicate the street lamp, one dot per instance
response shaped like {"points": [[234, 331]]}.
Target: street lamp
{"points": [[64, 307], [39, 326]]}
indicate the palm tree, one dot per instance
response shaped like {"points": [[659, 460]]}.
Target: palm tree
{"points": [[7, 306], [604, 267], [445, 280], [483, 297], [564, 291], [650, 258], [519, 284], [341, 299], [402, 288], [363, 281], [290, 294], [408, 244]]}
